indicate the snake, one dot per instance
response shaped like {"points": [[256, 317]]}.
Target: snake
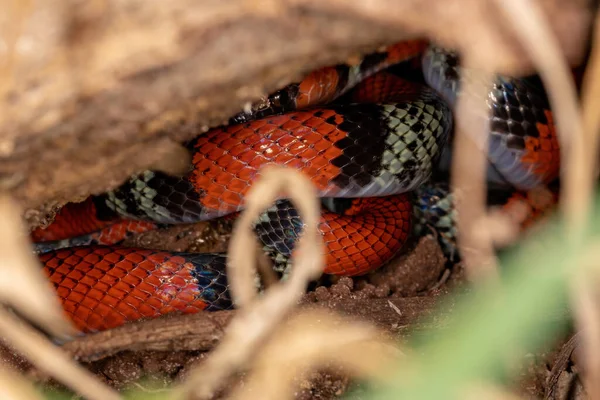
{"points": [[370, 142]]}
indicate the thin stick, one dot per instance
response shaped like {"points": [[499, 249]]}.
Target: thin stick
{"points": [[588, 309], [591, 119], [23, 285], [468, 174], [542, 46], [15, 387], [258, 317], [51, 359], [578, 153]]}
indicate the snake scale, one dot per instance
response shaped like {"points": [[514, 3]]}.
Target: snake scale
{"points": [[370, 141]]}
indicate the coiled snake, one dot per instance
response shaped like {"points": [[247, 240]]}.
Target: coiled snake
{"points": [[369, 141]]}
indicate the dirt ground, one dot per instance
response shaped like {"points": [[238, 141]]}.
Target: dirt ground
{"points": [[395, 298]]}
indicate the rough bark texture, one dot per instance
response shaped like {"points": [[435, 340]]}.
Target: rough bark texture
{"points": [[95, 91]]}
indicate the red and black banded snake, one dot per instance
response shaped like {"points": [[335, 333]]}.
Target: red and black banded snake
{"points": [[363, 135]]}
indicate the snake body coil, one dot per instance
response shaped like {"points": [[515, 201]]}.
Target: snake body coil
{"points": [[371, 152]]}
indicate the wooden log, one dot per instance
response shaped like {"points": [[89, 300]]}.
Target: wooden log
{"points": [[95, 91]]}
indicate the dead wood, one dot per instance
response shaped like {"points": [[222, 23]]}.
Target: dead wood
{"points": [[95, 91], [203, 331], [561, 363]]}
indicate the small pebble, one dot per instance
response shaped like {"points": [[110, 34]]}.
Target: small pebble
{"points": [[340, 290], [346, 281], [123, 370], [322, 294], [309, 297], [382, 291], [368, 291], [360, 284]]}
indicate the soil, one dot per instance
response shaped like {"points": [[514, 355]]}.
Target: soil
{"points": [[394, 298]]}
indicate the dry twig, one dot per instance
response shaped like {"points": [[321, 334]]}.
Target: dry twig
{"points": [[536, 36], [51, 359], [15, 387], [578, 152], [560, 364], [579, 141], [258, 317], [587, 299], [22, 274], [468, 173], [203, 331], [590, 99]]}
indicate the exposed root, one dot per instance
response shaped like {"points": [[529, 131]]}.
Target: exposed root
{"points": [[203, 331]]}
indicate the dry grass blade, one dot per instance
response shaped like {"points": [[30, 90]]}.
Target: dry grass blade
{"points": [[591, 102], [503, 224], [587, 312], [257, 319], [489, 392], [542, 46], [51, 359], [312, 340], [15, 387], [578, 153], [24, 287], [22, 283], [468, 174]]}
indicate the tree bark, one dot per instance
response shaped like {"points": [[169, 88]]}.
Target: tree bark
{"points": [[96, 91]]}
